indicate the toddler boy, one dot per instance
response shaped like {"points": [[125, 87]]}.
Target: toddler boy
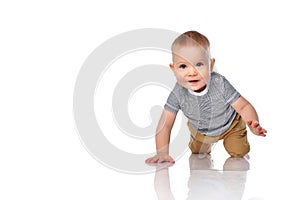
{"points": [[214, 108]]}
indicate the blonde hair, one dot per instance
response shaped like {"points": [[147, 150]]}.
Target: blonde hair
{"points": [[191, 37]]}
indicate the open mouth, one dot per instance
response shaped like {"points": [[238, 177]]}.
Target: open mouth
{"points": [[193, 81]]}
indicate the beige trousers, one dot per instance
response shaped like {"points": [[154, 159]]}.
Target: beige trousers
{"points": [[234, 139]]}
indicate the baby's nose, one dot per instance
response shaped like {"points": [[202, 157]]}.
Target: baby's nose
{"points": [[192, 70]]}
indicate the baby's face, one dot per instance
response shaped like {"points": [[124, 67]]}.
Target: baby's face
{"points": [[191, 66]]}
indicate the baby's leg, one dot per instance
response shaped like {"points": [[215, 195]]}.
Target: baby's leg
{"points": [[197, 146], [236, 142], [200, 143]]}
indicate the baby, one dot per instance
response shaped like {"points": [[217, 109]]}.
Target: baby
{"points": [[214, 108]]}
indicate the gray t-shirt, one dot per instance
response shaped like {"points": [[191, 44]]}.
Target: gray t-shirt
{"points": [[210, 112]]}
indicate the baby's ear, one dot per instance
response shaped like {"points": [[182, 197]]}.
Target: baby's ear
{"points": [[212, 64], [171, 65]]}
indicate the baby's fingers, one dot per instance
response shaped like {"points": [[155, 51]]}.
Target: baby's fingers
{"points": [[170, 159], [152, 160], [166, 159], [256, 128], [148, 160], [161, 160], [260, 131]]}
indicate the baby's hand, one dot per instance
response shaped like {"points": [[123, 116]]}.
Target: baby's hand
{"points": [[160, 158], [256, 128]]}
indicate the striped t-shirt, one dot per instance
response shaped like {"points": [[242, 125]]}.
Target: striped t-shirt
{"points": [[210, 112]]}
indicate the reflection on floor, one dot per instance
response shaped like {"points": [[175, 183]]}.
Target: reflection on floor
{"points": [[204, 181]]}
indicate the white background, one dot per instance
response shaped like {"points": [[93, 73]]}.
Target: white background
{"points": [[42, 48]]}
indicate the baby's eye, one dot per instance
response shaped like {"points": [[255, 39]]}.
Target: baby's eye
{"points": [[199, 64], [182, 66]]}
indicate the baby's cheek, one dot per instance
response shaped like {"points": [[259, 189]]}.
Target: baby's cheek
{"points": [[181, 81], [206, 79]]}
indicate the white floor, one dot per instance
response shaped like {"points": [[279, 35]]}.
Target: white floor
{"points": [[50, 169], [191, 177], [210, 178]]}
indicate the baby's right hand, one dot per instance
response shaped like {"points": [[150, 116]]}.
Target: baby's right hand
{"points": [[160, 158]]}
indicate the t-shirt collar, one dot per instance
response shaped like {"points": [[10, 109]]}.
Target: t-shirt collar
{"points": [[202, 92]]}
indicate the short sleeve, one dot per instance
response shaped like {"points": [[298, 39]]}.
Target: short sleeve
{"points": [[230, 93], [172, 103]]}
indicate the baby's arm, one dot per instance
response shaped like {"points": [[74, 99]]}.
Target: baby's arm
{"points": [[249, 115], [162, 138]]}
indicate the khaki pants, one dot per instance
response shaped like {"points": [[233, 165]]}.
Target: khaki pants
{"points": [[234, 139]]}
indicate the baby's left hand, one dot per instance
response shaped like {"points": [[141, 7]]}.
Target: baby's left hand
{"points": [[256, 128]]}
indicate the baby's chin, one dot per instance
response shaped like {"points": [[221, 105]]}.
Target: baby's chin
{"points": [[195, 89], [199, 90]]}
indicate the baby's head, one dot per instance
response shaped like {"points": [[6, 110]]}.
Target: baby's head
{"points": [[191, 38], [192, 64]]}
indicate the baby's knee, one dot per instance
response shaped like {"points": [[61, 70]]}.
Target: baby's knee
{"points": [[199, 148], [239, 153]]}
